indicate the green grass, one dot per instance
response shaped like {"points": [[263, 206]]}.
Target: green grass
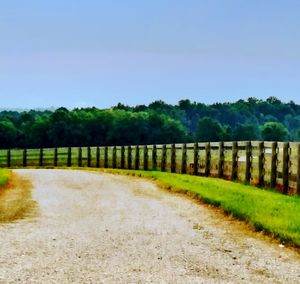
{"points": [[4, 176], [271, 212]]}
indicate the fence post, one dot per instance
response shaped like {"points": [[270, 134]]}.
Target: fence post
{"points": [[221, 160], [105, 157], [154, 158], [41, 157], [286, 167], [69, 161], [122, 166], [24, 158], [89, 157], [98, 157], [129, 158], [55, 157], [196, 159], [137, 158], [79, 157], [248, 162], [261, 164], [164, 158], [114, 157], [298, 169], [274, 161], [173, 158], [184, 159], [234, 170], [8, 162], [207, 159], [145, 158]]}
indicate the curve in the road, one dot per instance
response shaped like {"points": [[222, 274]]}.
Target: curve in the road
{"points": [[101, 228]]}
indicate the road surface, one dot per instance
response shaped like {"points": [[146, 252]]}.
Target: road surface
{"points": [[100, 228]]}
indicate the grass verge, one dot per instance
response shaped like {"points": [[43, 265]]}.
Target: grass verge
{"points": [[273, 213], [4, 176], [15, 197]]}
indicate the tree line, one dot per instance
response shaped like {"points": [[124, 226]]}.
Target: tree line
{"points": [[156, 123]]}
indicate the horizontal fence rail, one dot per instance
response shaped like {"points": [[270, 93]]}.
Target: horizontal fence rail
{"points": [[264, 164]]}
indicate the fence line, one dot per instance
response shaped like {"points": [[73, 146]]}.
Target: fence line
{"points": [[270, 164]]}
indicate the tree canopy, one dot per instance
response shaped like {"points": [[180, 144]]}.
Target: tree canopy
{"points": [[157, 122], [274, 131]]}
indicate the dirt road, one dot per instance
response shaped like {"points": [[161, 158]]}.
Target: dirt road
{"points": [[100, 228]]}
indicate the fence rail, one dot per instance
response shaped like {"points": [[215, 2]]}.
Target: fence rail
{"points": [[270, 164]]}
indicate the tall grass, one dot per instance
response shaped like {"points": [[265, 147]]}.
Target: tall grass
{"points": [[15, 197], [271, 212], [4, 176]]}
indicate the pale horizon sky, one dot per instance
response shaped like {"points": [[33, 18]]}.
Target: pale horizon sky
{"points": [[98, 53]]}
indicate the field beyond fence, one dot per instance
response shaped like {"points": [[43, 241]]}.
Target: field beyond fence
{"points": [[265, 164]]}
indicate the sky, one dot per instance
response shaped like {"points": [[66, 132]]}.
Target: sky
{"points": [[100, 52]]}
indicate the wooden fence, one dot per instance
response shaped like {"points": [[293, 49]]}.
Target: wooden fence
{"points": [[264, 164]]}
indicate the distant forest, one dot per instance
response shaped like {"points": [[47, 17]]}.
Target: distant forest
{"points": [[158, 122]]}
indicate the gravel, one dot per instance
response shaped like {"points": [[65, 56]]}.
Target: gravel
{"points": [[101, 228]]}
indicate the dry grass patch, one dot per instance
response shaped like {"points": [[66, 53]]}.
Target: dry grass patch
{"points": [[16, 200]]}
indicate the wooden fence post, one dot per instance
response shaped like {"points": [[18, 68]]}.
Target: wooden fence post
{"points": [[122, 166], [145, 158], [248, 162], [55, 162], [196, 159], [129, 158], [164, 158], [234, 170], [274, 162], [79, 157], [114, 157], [41, 157], [221, 160], [24, 158], [98, 157], [137, 158], [184, 159], [261, 164], [154, 158], [105, 157], [69, 160], [207, 159], [89, 157], [8, 161], [286, 167], [173, 158], [298, 169]]}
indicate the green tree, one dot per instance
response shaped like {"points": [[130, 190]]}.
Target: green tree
{"points": [[157, 122], [8, 134], [60, 128], [209, 130], [246, 132], [163, 129], [38, 133], [298, 135], [274, 131], [227, 136]]}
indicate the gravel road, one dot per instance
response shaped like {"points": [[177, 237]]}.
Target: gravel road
{"points": [[101, 228]]}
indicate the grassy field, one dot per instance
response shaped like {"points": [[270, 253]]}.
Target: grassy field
{"points": [[271, 212]]}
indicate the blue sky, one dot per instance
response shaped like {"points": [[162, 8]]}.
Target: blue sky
{"points": [[99, 53]]}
